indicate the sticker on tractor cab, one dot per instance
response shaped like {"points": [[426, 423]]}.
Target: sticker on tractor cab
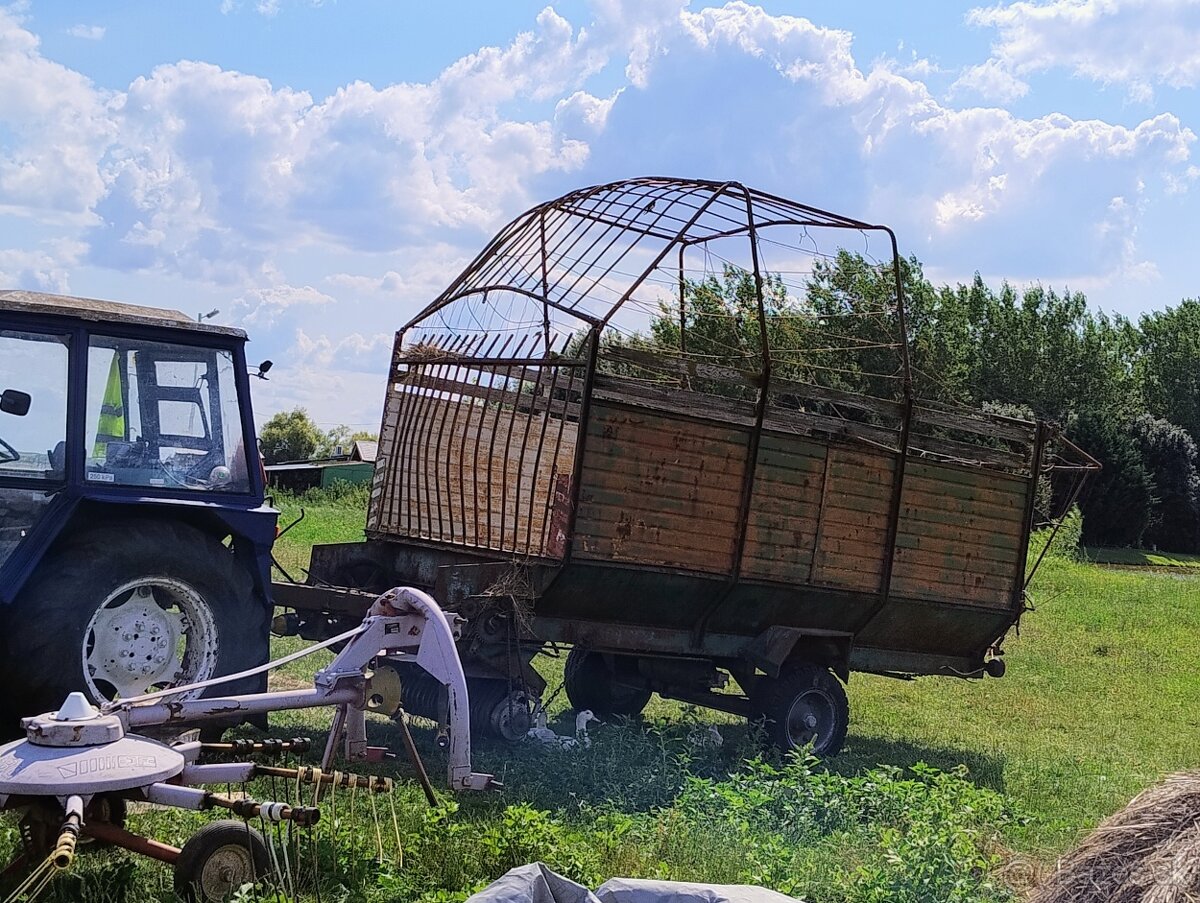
{"points": [[99, 477]]}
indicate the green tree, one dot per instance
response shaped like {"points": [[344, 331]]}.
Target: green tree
{"points": [[1118, 504], [1168, 367], [289, 436], [1169, 455], [340, 435]]}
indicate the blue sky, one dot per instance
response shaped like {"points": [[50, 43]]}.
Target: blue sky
{"points": [[318, 171]]}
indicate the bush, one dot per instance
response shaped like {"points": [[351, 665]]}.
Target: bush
{"points": [[1067, 541]]}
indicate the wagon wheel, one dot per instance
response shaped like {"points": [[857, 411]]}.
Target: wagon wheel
{"points": [[591, 684], [805, 705], [218, 859]]}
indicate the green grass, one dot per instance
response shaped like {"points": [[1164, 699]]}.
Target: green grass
{"points": [[1100, 700], [1142, 558]]}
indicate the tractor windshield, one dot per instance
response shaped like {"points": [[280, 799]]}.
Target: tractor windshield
{"points": [[162, 414]]}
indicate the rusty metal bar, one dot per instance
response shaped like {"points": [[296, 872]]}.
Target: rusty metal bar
{"points": [[894, 510], [585, 411], [106, 832], [1035, 474], [753, 442]]}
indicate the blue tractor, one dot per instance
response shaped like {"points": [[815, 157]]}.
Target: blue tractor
{"points": [[135, 544]]}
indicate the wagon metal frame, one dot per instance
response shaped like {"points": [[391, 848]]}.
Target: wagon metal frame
{"points": [[499, 433]]}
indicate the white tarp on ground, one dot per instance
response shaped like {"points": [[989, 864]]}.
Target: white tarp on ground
{"points": [[537, 884]]}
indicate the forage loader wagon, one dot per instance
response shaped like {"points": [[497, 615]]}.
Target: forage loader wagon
{"points": [[672, 424]]}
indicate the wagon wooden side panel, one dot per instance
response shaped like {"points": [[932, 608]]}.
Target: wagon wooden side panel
{"points": [[959, 537], [657, 489]]}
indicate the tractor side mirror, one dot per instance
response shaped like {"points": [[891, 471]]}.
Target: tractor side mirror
{"points": [[263, 369], [15, 402]]}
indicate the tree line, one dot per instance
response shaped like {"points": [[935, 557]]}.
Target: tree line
{"points": [[1127, 391]]}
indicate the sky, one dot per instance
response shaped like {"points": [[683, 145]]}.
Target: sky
{"points": [[319, 171]]}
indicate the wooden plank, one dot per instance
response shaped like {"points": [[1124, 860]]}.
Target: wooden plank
{"points": [[846, 498], [846, 577], [650, 476], [787, 465], [997, 547], [808, 424], [918, 504], [958, 473], [634, 531], [917, 485], [604, 549], [719, 522], [666, 434], [859, 475], [963, 451], [868, 403], [783, 539], [678, 401], [785, 516], [977, 422], [985, 537], [854, 518], [979, 595], [939, 564], [603, 416], [784, 571], [686, 464], [792, 445], [864, 533], [910, 519]]}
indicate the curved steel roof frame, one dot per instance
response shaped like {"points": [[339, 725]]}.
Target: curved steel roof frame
{"points": [[608, 239]]}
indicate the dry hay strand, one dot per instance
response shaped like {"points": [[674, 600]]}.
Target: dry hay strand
{"points": [[515, 586], [423, 352], [1149, 852]]}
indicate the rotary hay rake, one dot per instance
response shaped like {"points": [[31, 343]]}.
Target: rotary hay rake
{"points": [[76, 770]]}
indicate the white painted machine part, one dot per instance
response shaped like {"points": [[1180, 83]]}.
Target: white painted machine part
{"points": [[420, 630], [218, 773], [177, 797]]}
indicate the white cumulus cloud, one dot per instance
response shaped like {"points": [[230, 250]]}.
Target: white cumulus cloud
{"points": [[87, 32], [1134, 43]]}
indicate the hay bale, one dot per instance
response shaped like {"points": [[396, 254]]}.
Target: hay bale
{"points": [[1149, 852]]}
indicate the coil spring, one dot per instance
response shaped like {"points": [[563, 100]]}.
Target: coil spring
{"points": [[425, 697]]}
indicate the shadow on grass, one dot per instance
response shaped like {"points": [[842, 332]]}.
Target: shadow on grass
{"points": [[633, 766]]}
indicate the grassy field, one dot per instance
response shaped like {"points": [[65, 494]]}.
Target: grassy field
{"points": [[1142, 558], [947, 789]]}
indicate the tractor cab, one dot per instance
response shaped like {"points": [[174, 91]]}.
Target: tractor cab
{"points": [[125, 430]]}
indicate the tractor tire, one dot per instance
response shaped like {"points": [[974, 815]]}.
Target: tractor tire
{"points": [[805, 705], [591, 684], [127, 609]]}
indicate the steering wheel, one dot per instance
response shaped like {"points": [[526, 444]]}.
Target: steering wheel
{"points": [[9, 453]]}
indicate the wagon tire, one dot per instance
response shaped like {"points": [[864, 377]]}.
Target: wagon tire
{"points": [[218, 859], [805, 704], [591, 684], [205, 618]]}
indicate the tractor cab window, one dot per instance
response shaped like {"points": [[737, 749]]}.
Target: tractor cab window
{"points": [[33, 430], [162, 415], [32, 442]]}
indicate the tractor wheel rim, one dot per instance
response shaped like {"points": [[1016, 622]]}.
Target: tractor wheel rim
{"points": [[225, 870], [150, 633], [810, 719]]}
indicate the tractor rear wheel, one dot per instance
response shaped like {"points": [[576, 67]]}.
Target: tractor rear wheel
{"points": [[591, 684], [136, 607]]}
